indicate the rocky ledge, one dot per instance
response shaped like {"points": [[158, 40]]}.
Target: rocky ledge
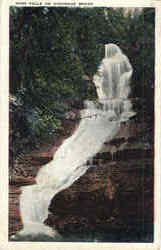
{"points": [[112, 202]]}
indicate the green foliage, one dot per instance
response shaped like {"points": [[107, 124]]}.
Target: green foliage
{"points": [[52, 50]]}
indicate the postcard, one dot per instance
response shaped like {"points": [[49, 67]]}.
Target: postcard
{"points": [[80, 109]]}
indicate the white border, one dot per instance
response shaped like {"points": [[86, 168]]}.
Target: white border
{"points": [[4, 82]]}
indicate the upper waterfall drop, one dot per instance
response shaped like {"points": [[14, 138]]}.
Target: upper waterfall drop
{"points": [[112, 82]]}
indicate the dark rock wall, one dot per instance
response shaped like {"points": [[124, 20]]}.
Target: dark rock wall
{"points": [[112, 202], [114, 197]]}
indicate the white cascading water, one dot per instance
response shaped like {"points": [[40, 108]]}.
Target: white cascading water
{"points": [[97, 125]]}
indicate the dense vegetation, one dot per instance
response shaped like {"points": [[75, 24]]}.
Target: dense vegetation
{"points": [[54, 53]]}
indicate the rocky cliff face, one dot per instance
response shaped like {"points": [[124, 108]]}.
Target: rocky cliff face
{"points": [[112, 202]]}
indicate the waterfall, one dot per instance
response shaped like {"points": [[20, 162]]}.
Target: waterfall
{"points": [[112, 82], [99, 124]]}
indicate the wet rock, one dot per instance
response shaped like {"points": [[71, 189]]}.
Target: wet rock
{"points": [[113, 201], [114, 195]]}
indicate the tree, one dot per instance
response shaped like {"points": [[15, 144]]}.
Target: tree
{"points": [[53, 50]]}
